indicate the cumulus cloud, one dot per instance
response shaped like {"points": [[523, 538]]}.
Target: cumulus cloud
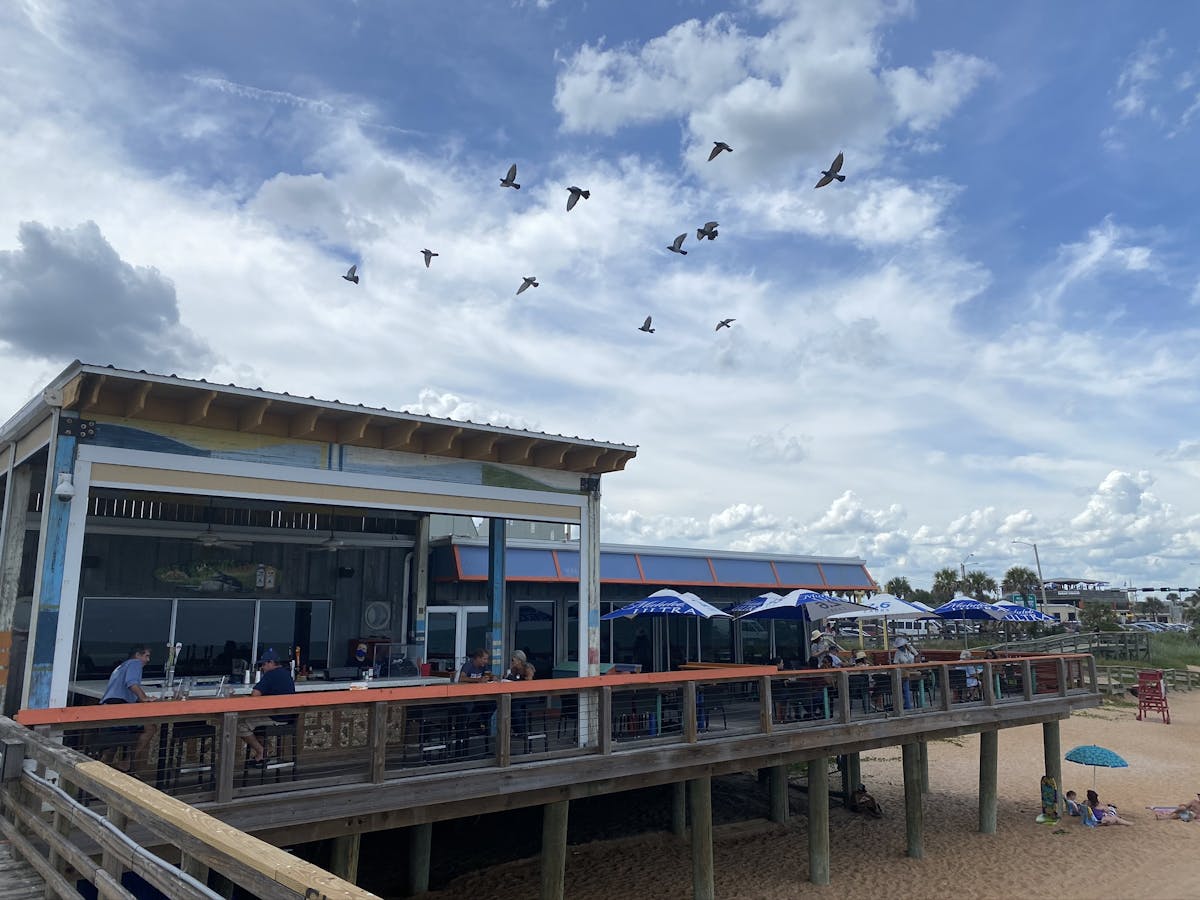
{"points": [[447, 405], [66, 293], [776, 447], [924, 99]]}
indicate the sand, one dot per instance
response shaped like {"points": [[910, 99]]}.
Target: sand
{"points": [[757, 859]]}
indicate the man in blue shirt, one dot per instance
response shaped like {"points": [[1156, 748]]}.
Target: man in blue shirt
{"points": [[125, 686], [275, 681]]}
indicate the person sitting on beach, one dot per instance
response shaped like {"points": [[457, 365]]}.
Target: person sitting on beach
{"points": [[1104, 814], [1186, 811], [1074, 807], [863, 802]]}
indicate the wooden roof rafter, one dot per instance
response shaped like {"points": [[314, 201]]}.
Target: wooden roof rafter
{"points": [[517, 451], [441, 439], [198, 407], [550, 456], [400, 435], [353, 430], [303, 422], [251, 416], [136, 404]]}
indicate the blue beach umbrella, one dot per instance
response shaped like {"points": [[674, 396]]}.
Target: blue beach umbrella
{"points": [[1022, 614], [963, 608], [669, 603], [801, 604], [1091, 755]]}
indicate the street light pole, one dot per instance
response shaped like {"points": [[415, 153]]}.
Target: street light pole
{"points": [[962, 567], [1037, 560]]}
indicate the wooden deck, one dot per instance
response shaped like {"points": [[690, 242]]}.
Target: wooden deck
{"points": [[18, 879], [411, 756]]}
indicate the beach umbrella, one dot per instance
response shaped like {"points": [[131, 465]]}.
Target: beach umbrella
{"points": [[963, 608], [669, 603], [808, 605], [1023, 614], [1091, 755], [884, 606]]}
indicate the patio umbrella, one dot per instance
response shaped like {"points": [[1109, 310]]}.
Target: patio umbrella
{"points": [[808, 605], [964, 608], [668, 603], [1023, 614], [1091, 755], [885, 606]]}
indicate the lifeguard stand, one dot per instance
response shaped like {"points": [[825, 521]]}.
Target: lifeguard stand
{"points": [[1152, 694]]}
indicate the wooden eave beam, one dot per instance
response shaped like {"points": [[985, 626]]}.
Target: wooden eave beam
{"points": [[197, 408], [612, 461], [400, 436], [251, 416], [441, 439], [137, 399], [304, 423], [92, 399], [551, 455], [481, 446], [71, 391], [517, 451], [352, 430], [583, 459]]}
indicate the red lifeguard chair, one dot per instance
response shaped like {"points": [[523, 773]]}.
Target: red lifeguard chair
{"points": [[1152, 695]]}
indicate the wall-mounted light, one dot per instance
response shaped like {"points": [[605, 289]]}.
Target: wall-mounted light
{"points": [[65, 489], [345, 572]]}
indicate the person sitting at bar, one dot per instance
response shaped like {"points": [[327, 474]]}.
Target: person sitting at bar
{"points": [[275, 682], [971, 674], [476, 669], [519, 668], [125, 686]]}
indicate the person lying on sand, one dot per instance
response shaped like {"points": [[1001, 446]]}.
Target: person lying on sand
{"points": [[1186, 811]]}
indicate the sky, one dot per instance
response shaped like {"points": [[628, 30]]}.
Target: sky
{"points": [[985, 334]]}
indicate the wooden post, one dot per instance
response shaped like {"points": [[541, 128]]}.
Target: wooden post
{"points": [[853, 773], [988, 682], [227, 744], [944, 687], [700, 797], [554, 849], [923, 748], [1052, 752], [764, 704], [343, 856], [818, 820], [377, 741], [989, 756], [914, 821], [679, 808], [691, 727], [780, 808], [504, 730], [843, 708], [108, 861], [193, 867], [420, 848], [605, 724], [897, 692]]}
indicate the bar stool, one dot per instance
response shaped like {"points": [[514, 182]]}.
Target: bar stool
{"points": [[184, 737], [281, 756]]}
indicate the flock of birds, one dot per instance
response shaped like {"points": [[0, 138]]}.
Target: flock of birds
{"points": [[708, 230]]}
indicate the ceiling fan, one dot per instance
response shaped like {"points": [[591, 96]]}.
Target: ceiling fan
{"points": [[208, 538], [332, 543]]}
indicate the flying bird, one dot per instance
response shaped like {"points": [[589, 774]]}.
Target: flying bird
{"points": [[645, 326], [528, 282], [708, 231], [351, 274], [576, 193], [429, 255], [510, 180], [718, 146], [677, 243], [724, 323], [831, 173]]}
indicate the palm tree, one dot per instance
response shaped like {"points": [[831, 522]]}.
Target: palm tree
{"points": [[980, 584], [898, 587], [945, 582], [1020, 580]]}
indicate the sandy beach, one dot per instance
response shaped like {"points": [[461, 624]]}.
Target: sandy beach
{"points": [[760, 860]]}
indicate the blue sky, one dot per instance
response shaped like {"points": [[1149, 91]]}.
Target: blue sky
{"points": [[983, 335]]}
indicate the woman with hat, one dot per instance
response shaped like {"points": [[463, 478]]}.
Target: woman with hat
{"points": [[820, 642], [905, 654]]}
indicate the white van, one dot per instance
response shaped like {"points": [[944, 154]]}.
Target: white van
{"points": [[915, 628]]}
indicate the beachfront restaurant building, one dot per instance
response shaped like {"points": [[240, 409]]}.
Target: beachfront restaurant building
{"points": [[222, 520]]}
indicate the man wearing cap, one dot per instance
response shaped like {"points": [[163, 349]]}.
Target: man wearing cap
{"points": [[274, 682]]}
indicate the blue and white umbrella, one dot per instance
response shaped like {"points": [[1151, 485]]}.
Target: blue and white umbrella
{"points": [[886, 606], [667, 603], [1024, 614], [808, 605], [963, 608]]}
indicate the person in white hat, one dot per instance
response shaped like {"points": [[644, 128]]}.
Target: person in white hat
{"points": [[903, 655], [820, 642]]}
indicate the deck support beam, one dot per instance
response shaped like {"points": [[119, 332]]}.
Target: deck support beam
{"points": [[923, 749], [679, 808], [1052, 751], [420, 849], [554, 849], [700, 797], [853, 774], [818, 820], [780, 808], [343, 856], [914, 815], [989, 756]]}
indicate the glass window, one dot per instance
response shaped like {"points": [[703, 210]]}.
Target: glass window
{"points": [[288, 624], [535, 635], [441, 632], [214, 633], [110, 626]]}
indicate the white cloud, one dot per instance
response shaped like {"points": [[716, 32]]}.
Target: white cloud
{"points": [[924, 99], [1141, 71]]}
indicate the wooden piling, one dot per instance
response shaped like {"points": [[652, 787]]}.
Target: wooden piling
{"points": [[343, 856], [989, 756], [700, 800], [780, 808], [554, 849], [914, 820], [818, 820], [1052, 752], [853, 772], [679, 808], [923, 749], [420, 848]]}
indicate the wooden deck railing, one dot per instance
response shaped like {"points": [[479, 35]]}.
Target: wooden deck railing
{"points": [[48, 823], [380, 735]]}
